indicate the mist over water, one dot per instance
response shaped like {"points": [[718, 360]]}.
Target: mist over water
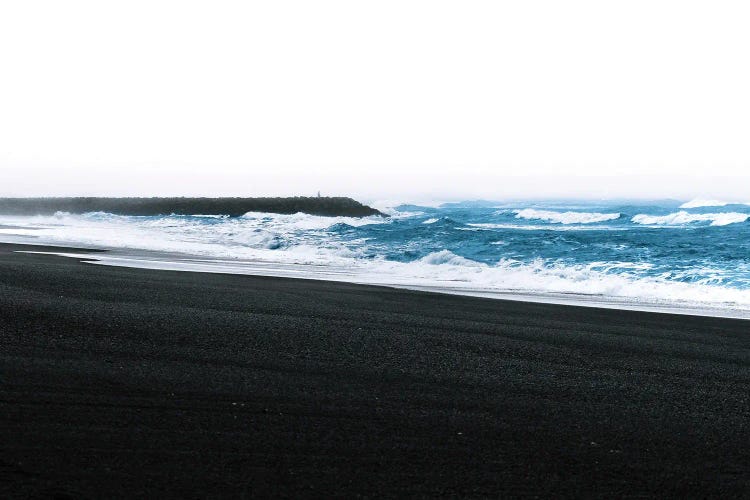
{"points": [[682, 254]]}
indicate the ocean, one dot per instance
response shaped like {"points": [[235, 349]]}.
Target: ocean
{"points": [[663, 255]]}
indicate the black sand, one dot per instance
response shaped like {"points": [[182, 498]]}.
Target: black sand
{"points": [[124, 382]]}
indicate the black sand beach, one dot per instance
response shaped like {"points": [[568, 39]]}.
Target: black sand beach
{"points": [[119, 382]]}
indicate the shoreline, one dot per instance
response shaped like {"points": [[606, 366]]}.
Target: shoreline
{"points": [[172, 261], [121, 382]]}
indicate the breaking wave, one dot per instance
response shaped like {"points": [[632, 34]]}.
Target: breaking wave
{"points": [[623, 280], [565, 217], [448, 257], [300, 221], [682, 218]]}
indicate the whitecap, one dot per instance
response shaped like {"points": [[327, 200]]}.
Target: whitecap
{"points": [[624, 280], [682, 218], [447, 257], [302, 221], [565, 217]]}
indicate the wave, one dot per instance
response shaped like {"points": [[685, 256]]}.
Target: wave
{"points": [[204, 216], [479, 226], [629, 281], [700, 203], [372, 250], [448, 257], [396, 207], [251, 236], [623, 280], [302, 221], [682, 218], [565, 217], [447, 271]]}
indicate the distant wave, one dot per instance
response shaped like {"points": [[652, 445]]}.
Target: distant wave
{"points": [[206, 216], [700, 203], [565, 217], [681, 218], [479, 226], [392, 207], [302, 221]]}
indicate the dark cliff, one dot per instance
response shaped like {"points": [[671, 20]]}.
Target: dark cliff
{"points": [[329, 206]]}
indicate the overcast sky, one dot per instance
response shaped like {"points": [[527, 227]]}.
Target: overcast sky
{"points": [[379, 99]]}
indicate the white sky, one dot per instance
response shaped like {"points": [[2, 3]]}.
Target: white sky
{"points": [[378, 99]]}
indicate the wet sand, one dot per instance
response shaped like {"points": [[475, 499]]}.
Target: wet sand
{"points": [[120, 382]]}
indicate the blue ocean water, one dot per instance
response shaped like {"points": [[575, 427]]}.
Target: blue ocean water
{"points": [[658, 252], [709, 245]]}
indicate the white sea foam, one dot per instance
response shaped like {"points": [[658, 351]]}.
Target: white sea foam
{"points": [[603, 279], [208, 216], [565, 217], [254, 236], [302, 221], [448, 257], [430, 221], [280, 241], [682, 218], [445, 271]]}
